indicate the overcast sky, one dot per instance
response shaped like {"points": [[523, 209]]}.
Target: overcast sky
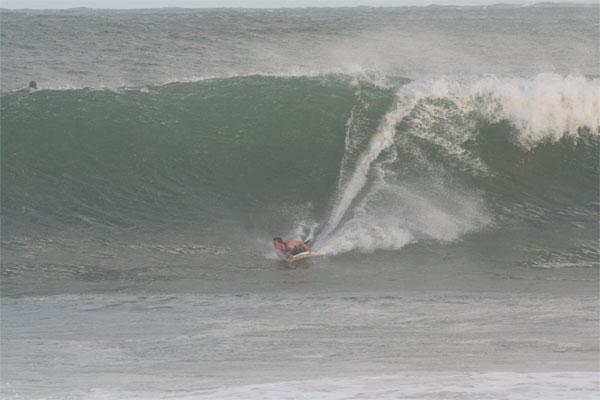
{"points": [[245, 3]]}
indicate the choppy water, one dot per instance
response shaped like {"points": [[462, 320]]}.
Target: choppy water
{"points": [[445, 161]]}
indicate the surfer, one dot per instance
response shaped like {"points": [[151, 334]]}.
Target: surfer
{"points": [[290, 248]]}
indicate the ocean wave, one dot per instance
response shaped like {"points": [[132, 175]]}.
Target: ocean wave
{"points": [[507, 385], [356, 164]]}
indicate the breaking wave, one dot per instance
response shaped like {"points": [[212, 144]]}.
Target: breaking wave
{"points": [[353, 164]]}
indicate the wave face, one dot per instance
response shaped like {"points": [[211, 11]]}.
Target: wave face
{"points": [[154, 157], [355, 165]]}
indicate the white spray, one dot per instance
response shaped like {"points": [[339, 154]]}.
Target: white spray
{"points": [[382, 140], [394, 213]]}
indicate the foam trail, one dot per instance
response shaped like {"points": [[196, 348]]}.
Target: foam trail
{"points": [[349, 124], [381, 141], [506, 385], [304, 230], [397, 212]]}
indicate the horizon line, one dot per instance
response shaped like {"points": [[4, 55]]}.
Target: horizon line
{"points": [[500, 4]]}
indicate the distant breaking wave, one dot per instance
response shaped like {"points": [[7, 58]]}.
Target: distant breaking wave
{"points": [[198, 44]]}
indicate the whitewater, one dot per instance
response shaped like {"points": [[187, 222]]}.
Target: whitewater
{"points": [[444, 162]]}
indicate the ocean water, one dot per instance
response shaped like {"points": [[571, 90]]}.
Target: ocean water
{"points": [[445, 162]]}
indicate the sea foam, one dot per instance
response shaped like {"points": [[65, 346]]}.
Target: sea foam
{"points": [[375, 210]]}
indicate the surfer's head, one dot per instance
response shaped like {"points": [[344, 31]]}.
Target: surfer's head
{"points": [[279, 244]]}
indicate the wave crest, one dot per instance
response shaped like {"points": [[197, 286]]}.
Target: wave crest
{"points": [[548, 106]]}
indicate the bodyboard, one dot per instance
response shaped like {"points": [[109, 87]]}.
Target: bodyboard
{"points": [[299, 256]]}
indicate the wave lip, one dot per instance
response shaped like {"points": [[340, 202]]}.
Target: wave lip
{"points": [[549, 106]]}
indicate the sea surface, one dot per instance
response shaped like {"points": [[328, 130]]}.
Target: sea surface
{"points": [[444, 161]]}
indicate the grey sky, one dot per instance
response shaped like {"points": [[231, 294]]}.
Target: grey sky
{"points": [[243, 3]]}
